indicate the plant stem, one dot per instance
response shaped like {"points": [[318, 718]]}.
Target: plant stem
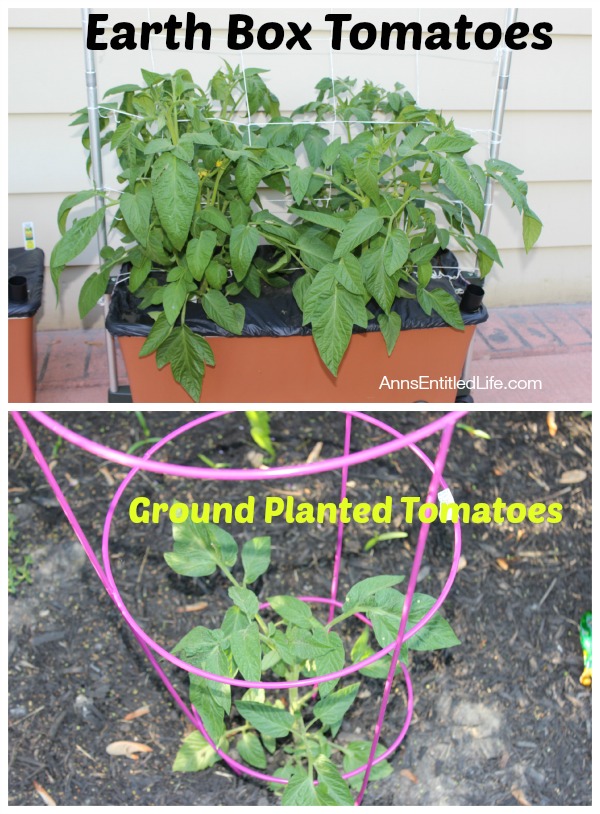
{"points": [[236, 730], [360, 198]]}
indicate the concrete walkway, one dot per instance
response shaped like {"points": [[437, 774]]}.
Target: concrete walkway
{"points": [[527, 355]]}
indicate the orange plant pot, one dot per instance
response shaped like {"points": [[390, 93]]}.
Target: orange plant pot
{"points": [[22, 370], [424, 366]]}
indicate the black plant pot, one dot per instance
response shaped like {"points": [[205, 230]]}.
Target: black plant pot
{"points": [[17, 288], [472, 298]]}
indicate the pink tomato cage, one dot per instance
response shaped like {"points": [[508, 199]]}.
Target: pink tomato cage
{"points": [[443, 425]]}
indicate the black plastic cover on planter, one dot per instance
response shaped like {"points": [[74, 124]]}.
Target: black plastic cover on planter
{"points": [[275, 313], [28, 264]]}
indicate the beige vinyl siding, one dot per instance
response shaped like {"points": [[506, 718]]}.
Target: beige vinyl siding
{"points": [[547, 127]]}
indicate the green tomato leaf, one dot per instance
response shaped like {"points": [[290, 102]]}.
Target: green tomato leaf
{"points": [[139, 274], [366, 170], [195, 754], [251, 750], [175, 297], [424, 273], [158, 145], [69, 203], [349, 274], [158, 333], [424, 300], [174, 189], [270, 721], [212, 714], [330, 658], [299, 181], [314, 252], [366, 223], [362, 593], [73, 242], [451, 142], [216, 218], [199, 253], [485, 245], [484, 264], [91, 291], [331, 710], [332, 310], [187, 353], [380, 285], [395, 251], [467, 190], [202, 139], [292, 610], [245, 649], [320, 218], [256, 556], [247, 178], [332, 783], [244, 243], [199, 548], [226, 314], [331, 152], [424, 254], [203, 648], [436, 634], [301, 791], [511, 186], [390, 326], [244, 599], [356, 754], [446, 306], [532, 228]]}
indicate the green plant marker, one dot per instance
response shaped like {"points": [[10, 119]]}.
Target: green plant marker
{"points": [[585, 637]]}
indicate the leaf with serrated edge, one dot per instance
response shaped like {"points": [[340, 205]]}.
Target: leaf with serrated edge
{"points": [[269, 720], [332, 709], [446, 306], [366, 223], [174, 190], [245, 599], [292, 610], [228, 315], [462, 185], [332, 783], [247, 179]]}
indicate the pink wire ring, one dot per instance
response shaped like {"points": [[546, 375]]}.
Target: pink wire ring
{"points": [[205, 473], [224, 474]]}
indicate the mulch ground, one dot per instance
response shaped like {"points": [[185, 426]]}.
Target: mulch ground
{"points": [[499, 720]]}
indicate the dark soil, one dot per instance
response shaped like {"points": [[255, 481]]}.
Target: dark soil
{"points": [[500, 720]]}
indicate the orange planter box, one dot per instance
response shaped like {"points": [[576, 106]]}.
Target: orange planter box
{"points": [[289, 369], [22, 372]]}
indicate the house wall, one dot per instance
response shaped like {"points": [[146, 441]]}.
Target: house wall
{"points": [[547, 126]]}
